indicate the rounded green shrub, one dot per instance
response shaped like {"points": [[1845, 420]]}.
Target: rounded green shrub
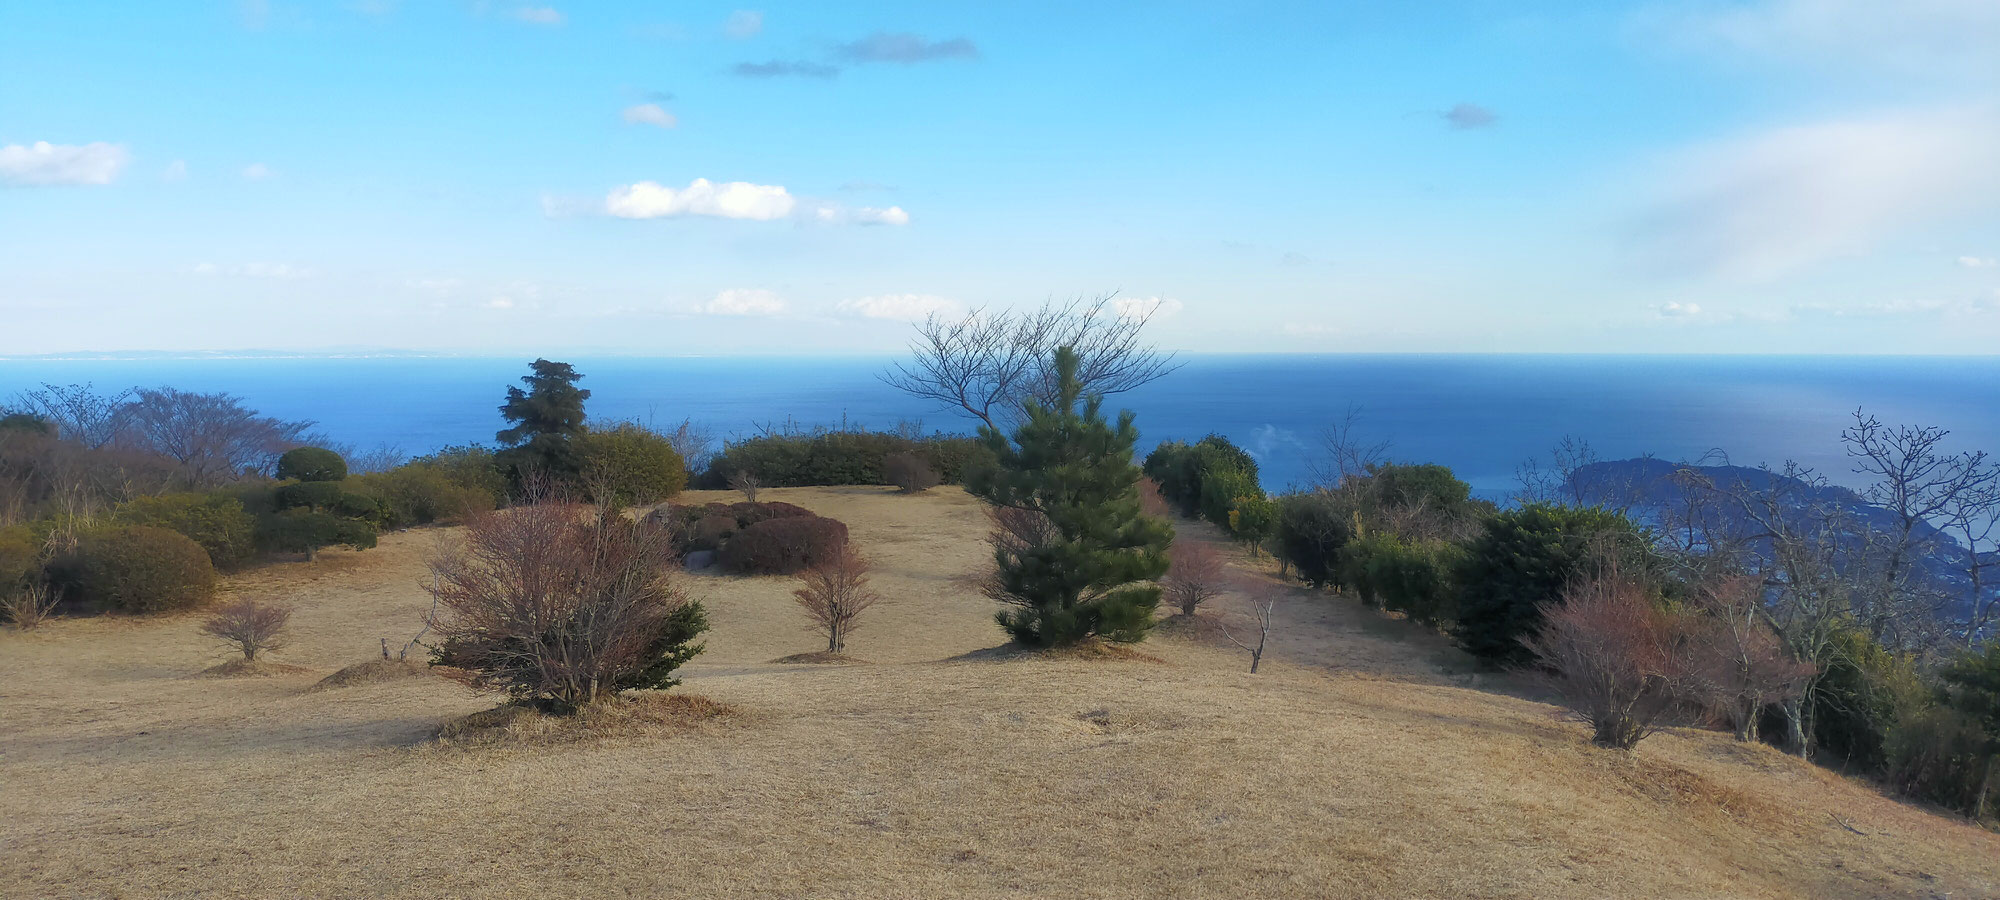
{"points": [[136, 569], [311, 464], [636, 465], [217, 522]]}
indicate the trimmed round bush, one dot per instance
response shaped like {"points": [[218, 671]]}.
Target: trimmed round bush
{"points": [[748, 514], [136, 569], [217, 522], [784, 546], [636, 465], [710, 532], [311, 464], [909, 472]]}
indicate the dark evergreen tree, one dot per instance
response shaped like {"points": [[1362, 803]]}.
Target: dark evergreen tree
{"points": [[1075, 554], [311, 464], [548, 418], [1523, 559]]}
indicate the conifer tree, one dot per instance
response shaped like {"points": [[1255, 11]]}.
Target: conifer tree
{"points": [[1075, 554], [547, 417]]}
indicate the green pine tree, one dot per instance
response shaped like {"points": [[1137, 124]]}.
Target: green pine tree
{"points": [[547, 417], [1076, 556]]}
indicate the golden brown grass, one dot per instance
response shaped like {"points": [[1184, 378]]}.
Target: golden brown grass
{"points": [[818, 657], [1366, 760], [252, 668], [647, 715], [372, 672]]}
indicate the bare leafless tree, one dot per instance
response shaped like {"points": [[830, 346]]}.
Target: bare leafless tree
{"points": [[79, 413], [249, 626], [834, 594], [213, 437], [1195, 575], [1263, 607], [986, 363], [1810, 597], [1919, 483], [1973, 516], [1739, 664], [745, 481], [695, 443], [1348, 455]]}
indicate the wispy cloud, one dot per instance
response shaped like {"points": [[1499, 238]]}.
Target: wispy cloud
{"points": [[1950, 37], [648, 114], [1468, 116], [779, 68], [257, 172], [45, 164], [903, 47], [1145, 307], [546, 16], [1978, 262], [1767, 203], [900, 307], [275, 271], [743, 24], [745, 302], [175, 171]]}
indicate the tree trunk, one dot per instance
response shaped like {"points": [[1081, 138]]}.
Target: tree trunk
{"points": [[1980, 805], [1795, 727]]}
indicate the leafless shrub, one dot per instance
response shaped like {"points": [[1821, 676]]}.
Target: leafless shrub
{"points": [[1614, 655], [563, 604], [30, 606], [1348, 455], [695, 444], [249, 626], [745, 481], [1738, 665], [80, 413], [909, 472], [213, 437], [1195, 575], [834, 594], [1263, 606]]}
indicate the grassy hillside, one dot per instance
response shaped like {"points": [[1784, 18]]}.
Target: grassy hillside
{"points": [[1367, 759]]}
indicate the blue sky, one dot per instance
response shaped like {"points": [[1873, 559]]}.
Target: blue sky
{"points": [[669, 178]]}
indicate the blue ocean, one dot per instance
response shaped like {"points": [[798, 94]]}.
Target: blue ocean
{"points": [[1481, 415]]}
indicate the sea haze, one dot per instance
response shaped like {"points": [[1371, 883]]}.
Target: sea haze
{"points": [[1480, 415]]}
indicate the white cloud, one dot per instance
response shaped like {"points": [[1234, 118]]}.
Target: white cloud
{"points": [[539, 15], [901, 307], [501, 302], [728, 200], [257, 171], [43, 163], [743, 23], [1674, 310], [1145, 307], [745, 302], [649, 114], [869, 215], [1945, 36], [1761, 205], [1977, 262], [270, 270], [175, 171]]}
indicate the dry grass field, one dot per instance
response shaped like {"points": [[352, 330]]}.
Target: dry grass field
{"points": [[1367, 759]]}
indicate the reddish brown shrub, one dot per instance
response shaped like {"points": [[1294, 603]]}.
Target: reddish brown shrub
{"points": [[710, 532], [1739, 666], [784, 546], [748, 514], [1195, 575], [562, 605], [834, 595], [1617, 658], [909, 472], [249, 626]]}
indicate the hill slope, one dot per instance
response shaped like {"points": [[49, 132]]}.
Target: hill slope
{"points": [[1366, 760]]}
